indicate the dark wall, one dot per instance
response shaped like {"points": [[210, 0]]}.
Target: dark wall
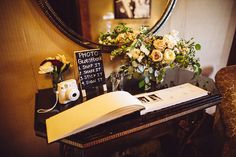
{"points": [[232, 55]]}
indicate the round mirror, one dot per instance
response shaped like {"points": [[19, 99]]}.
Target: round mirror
{"points": [[83, 20]]}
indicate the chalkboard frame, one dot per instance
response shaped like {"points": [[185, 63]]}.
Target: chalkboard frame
{"points": [[90, 70]]}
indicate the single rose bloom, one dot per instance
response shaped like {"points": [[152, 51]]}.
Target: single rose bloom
{"points": [[159, 44], [170, 39], [135, 53], [156, 55], [169, 42], [47, 67], [169, 55]]}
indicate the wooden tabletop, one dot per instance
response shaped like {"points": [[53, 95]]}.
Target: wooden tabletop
{"points": [[133, 126]]}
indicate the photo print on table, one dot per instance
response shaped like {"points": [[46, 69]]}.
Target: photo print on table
{"points": [[149, 98], [154, 97], [143, 99]]}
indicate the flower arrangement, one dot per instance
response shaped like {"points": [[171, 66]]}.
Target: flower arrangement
{"points": [[146, 56], [54, 66]]}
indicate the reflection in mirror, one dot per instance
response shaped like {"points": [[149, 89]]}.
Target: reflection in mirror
{"points": [[83, 20], [136, 9]]}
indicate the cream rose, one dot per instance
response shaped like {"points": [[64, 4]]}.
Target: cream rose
{"points": [[159, 44], [169, 42], [169, 55], [173, 36], [135, 53], [156, 55], [46, 68]]}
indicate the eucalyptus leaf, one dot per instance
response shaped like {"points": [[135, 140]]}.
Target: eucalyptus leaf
{"points": [[141, 84], [198, 47], [160, 77]]}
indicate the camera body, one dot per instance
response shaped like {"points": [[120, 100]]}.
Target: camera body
{"points": [[68, 91]]}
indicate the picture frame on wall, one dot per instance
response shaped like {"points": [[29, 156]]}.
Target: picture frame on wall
{"points": [[132, 9]]}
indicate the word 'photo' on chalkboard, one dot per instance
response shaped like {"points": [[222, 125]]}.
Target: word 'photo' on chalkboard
{"points": [[90, 69]]}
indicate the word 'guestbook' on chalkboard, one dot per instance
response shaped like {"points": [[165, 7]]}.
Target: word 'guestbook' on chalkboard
{"points": [[90, 68]]}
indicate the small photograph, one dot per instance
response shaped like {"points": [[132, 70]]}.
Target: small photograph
{"points": [[154, 97], [132, 9], [143, 99]]}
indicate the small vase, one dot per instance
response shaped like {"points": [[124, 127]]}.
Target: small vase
{"points": [[56, 78]]}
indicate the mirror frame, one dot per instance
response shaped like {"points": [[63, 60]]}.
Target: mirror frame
{"points": [[56, 20]]}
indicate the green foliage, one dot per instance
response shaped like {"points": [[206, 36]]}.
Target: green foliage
{"points": [[141, 84], [198, 47], [147, 56]]}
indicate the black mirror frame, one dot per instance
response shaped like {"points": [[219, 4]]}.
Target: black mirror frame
{"points": [[53, 17]]}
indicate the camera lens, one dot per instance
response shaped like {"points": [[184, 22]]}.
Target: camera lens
{"points": [[72, 94]]}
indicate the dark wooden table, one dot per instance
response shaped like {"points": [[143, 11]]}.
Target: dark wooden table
{"points": [[133, 129]]}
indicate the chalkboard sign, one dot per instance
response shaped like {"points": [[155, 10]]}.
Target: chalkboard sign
{"points": [[90, 68]]}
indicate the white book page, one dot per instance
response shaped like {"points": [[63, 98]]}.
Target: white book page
{"points": [[170, 96], [87, 114]]}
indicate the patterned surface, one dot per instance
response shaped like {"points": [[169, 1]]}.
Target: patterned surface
{"points": [[226, 83], [226, 126]]}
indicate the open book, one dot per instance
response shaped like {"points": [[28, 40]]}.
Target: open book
{"points": [[113, 105]]}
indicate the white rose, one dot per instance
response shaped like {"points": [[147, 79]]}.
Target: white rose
{"points": [[173, 37], [170, 40], [46, 68], [169, 55]]}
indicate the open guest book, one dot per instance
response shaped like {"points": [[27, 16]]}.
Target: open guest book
{"points": [[113, 105]]}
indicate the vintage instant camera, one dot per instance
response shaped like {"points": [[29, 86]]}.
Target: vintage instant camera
{"points": [[68, 91]]}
